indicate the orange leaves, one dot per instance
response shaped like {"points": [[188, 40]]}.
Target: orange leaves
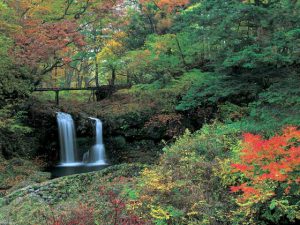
{"points": [[170, 5], [241, 167], [246, 189], [163, 11], [255, 149], [264, 162], [167, 5]]}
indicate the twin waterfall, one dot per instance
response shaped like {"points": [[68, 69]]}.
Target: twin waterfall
{"points": [[67, 138]]}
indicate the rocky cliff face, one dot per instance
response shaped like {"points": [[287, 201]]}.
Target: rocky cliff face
{"points": [[128, 137]]}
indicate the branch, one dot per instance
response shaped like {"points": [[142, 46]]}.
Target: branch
{"points": [[50, 68], [83, 10]]}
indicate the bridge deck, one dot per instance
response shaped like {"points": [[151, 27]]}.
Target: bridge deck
{"points": [[102, 88]]}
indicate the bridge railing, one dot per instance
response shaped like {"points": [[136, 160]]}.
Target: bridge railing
{"points": [[102, 88]]}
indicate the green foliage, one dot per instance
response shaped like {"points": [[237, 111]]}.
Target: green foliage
{"points": [[185, 187], [164, 93], [216, 89], [275, 107], [61, 197], [229, 112], [161, 56], [13, 122], [18, 173], [12, 128], [245, 38], [14, 85]]}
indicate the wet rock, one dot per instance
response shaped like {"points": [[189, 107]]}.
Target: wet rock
{"points": [[17, 162]]}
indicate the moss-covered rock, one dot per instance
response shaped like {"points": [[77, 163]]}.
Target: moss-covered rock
{"points": [[126, 136], [29, 205], [17, 173]]}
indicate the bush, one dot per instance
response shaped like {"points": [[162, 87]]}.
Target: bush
{"points": [[82, 215], [12, 128], [267, 178], [184, 188]]}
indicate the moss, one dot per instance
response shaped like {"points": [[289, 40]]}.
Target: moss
{"points": [[30, 204], [17, 173]]}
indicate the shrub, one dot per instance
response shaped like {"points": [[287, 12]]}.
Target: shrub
{"points": [[268, 172], [184, 188], [12, 128], [119, 205], [82, 215]]}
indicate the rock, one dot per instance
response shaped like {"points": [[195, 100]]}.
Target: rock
{"points": [[18, 200], [39, 176], [17, 162]]}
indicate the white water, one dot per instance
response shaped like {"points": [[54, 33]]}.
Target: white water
{"points": [[67, 138], [96, 156]]}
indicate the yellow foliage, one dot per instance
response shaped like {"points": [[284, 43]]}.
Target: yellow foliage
{"points": [[104, 54], [114, 45], [111, 50], [156, 181], [159, 213], [193, 213], [120, 35]]}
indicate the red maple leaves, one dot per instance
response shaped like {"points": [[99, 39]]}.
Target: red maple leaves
{"points": [[38, 41], [263, 162]]}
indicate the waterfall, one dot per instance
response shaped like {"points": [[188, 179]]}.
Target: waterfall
{"points": [[68, 152], [96, 156], [67, 139]]}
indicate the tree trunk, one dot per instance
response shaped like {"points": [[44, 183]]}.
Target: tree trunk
{"points": [[128, 77], [86, 82], [113, 76], [96, 72], [180, 51], [68, 76], [152, 25]]}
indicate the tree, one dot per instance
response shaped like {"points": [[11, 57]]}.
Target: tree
{"points": [[246, 37], [44, 40], [110, 56], [52, 30], [160, 13], [15, 81]]}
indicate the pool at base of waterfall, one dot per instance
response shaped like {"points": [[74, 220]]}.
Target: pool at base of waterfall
{"points": [[61, 170]]}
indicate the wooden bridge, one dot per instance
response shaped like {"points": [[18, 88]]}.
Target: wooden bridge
{"points": [[103, 90]]}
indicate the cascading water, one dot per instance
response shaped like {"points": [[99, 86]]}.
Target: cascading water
{"points": [[96, 156], [93, 160], [67, 139]]}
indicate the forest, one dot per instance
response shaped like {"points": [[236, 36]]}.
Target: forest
{"points": [[141, 112]]}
